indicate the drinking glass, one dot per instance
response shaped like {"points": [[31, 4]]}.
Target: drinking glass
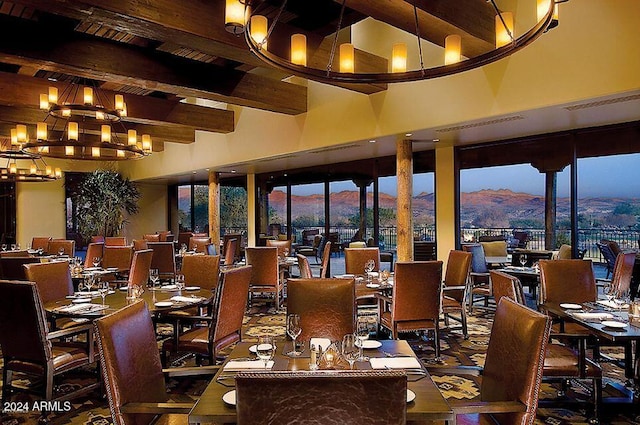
{"points": [[265, 349], [350, 349], [61, 251], [368, 268], [96, 261], [621, 298], [362, 334], [293, 330], [4, 246], [523, 260], [155, 278], [89, 282], [103, 288], [13, 247], [180, 282]]}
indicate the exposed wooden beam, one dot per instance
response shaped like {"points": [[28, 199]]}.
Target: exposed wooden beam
{"points": [[21, 90], [85, 56], [473, 20]]}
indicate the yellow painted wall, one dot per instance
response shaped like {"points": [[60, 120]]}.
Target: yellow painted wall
{"points": [[152, 216], [445, 201], [40, 211]]}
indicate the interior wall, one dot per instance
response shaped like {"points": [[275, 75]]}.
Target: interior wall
{"points": [[40, 211], [153, 213]]}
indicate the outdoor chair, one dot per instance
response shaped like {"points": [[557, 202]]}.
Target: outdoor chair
{"points": [[455, 288], [480, 278], [312, 249], [608, 255]]}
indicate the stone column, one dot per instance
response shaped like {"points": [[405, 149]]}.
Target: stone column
{"points": [[404, 210]]}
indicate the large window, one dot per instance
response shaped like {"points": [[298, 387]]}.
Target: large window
{"points": [[307, 209], [193, 208]]}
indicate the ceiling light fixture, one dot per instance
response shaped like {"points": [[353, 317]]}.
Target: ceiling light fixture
{"points": [[14, 170], [82, 124], [253, 16]]}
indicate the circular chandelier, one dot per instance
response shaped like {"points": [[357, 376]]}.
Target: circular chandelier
{"points": [[75, 129], [253, 16], [38, 170]]}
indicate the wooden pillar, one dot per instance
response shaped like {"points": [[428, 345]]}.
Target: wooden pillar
{"points": [[404, 174], [363, 212], [446, 189], [551, 181], [214, 209]]}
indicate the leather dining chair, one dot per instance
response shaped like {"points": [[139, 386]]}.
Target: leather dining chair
{"points": [[40, 242], [94, 249], [513, 368], [115, 241], [140, 244], [415, 305], [237, 253], [455, 288], [230, 252], [134, 380], [164, 259], [224, 326], [265, 274], [366, 397], [117, 256], [355, 259], [12, 268], [151, 237], [139, 271], [480, 278], [199, 244], [326, 256], [28, 347], [284, 246], [68, 246], [326, 307], [304, 266], [561, 361]]}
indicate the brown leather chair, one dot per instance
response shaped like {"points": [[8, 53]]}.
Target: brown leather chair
{"points": [[355, 259], [29, 348], [415, 305], [326, 307], [117, 256], [623, 272], [135, 383], [12, 267], [165, 236], [282, 245], [199, 244], [201, 270], [238, 251], [224, 327], [326, 256], [183, 239], [480, 278], [140, 244], [303, 265], [94, 249], [115, 241], [17, 253], [561, 361], [455, 288], [164, 259], [230, 252], [97, 239], [265, 274], [140, 265], [68, 247], [53, 279], [151, 237], [40, 243], [513, 368], [370, 397]]}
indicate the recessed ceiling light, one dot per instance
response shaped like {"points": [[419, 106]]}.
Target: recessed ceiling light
{"points": [[372, 141], [436, 140], [195, 172], [408, 134], [233, 171]]}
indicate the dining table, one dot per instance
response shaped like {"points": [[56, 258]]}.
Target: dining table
{"points": [[428, 404]]}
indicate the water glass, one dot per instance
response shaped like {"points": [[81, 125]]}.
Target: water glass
{"points": [[13, 247], [180, 282], [96, 261], [265, 349], [61, 251], [294, 330], [523, 259], [154, 276], [362, 334], [103, 288], [350, 349]]}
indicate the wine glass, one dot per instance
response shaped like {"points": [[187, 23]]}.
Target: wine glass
{"points": [[96, 261], [180, 282], [368, 268], [285, 252], [103, 289], [265, 349], [60, 251], [362, 334], [89, 282], [13, 247], [4, 247], [523, 260], [293, 330], [155, 278], [350, 349], [621, 298]]}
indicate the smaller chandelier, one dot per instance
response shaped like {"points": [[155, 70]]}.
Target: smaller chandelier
{"points": [[15, 171], [85, 129]]}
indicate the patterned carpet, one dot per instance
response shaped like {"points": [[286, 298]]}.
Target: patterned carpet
{"points": [[93, 410]]}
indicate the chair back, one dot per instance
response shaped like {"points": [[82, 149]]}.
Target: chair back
{"points": [[424, 251], [231, 303], [40, 243], [226, 238], [117, 256], [308, 236], [327, 307], [210, 249], [416, 291], [230, 251], [130, 361], [164, 259], [151, 237], [97, 239], [623, 271], [94, 249], [140, 265], [69, 247], [265, 271], [457, 273], [564, 253], [506, 285], [165, 236], [326, 256], [515, 359], [18, 253], [201, 270], [522, 237], [199, 244], [370, 397], [495, 248], [478, 260], [13, 267], [140, 244], [183, 238], [53, 279], [115, 241], [23, 334], [355, 259], [614, 246], [303, 265], [282, 245], [567, 281], [608, 255]]}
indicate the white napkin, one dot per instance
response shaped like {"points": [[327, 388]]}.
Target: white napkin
{"points": [[596, 316], [320, 342], [181, 299], [612, 304], [246, 364], [76, 308], [169, 287], [395, 363]]}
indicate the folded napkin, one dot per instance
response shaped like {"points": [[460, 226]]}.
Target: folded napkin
{"points": [[395, 363], [612, 304], [181, 299], [246, 364], [169, 287], [320, 342], [592, 316], [80, 308]]}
